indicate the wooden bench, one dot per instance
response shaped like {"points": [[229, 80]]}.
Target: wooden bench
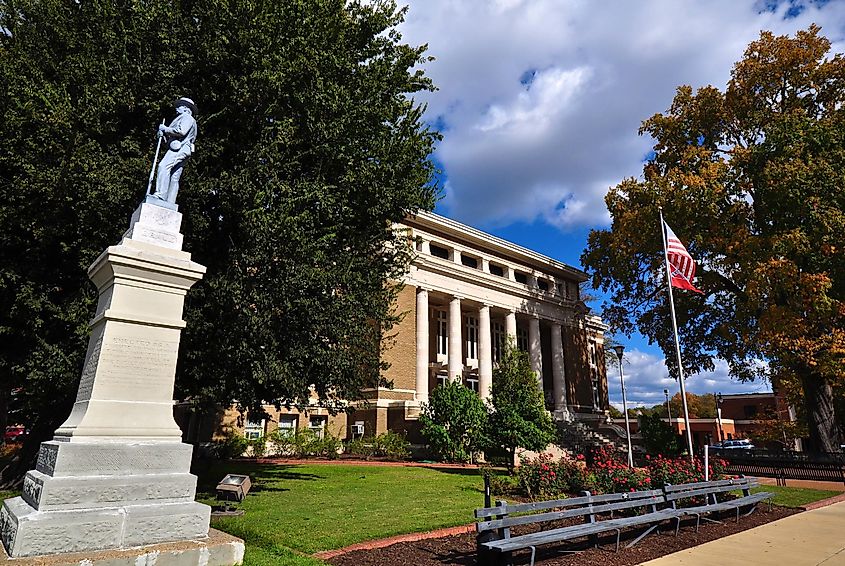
{"points": [[710, 490], [494, 527]]}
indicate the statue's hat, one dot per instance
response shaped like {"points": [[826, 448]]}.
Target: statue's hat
{"points": [[185, 101]]}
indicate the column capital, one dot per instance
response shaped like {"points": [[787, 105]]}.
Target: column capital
{"points": [[456, 296]]}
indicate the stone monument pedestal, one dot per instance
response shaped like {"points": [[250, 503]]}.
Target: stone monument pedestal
{"points": [[116, 475]]}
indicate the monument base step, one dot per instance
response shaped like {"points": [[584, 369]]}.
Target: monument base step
{"points": [[26, 532], [219, 549]]}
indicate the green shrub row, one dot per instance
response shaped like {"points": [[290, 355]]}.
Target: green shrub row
{"points": [[386, 445]]}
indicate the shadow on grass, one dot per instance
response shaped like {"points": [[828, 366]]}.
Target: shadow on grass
{"points": [[457, 471], [262, 476]]}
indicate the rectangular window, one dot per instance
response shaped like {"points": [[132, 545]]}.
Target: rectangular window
{"points": [[594, 370], [543, 284], [497, 270], [520, 277], [472, 382], [498, 341], [318, 425], [287, 425], [442, 333], [472, 337], [442, 378], [572, 291], [469, 261], [254, 429], [522, 339], [437, 251]]}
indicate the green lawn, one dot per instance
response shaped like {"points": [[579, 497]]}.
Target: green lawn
{"points": [[795, 496], [301, 509]]}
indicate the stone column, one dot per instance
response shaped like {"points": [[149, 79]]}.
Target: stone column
{"points": [[558, 372], [422, 345], [510, 327], [485, 353], [534, 350], [456, 362]]}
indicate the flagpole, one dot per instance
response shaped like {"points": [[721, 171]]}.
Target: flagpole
{"points": [[677, 342]]}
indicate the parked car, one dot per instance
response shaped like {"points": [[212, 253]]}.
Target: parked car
{"points": [[14, 434], [739, 444]]}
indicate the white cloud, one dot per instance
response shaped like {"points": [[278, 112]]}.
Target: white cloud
{"points": [[646, 376], [541, 99]]}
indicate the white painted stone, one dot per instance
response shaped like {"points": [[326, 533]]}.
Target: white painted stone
{"points": [[36, 532], [43, 492], [116, 474], [150, 524], [156, 225], [61, 459]]}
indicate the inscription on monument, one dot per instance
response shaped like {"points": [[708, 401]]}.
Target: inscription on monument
{"points": [[47, 455], [138, 364], [32, 491], [86, 383], [8, 530]]}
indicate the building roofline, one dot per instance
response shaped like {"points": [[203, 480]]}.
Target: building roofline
{"points": [[495, 243], [769, 395]]}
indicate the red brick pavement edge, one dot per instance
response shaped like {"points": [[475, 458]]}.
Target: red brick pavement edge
{"points": [[824, 502], [381, 543]]}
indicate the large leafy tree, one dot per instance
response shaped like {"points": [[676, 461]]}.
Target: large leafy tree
{"points": [[310, 148], [753, 179]]}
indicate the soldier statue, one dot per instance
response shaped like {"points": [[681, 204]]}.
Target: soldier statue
{"points": [[180, 136]]}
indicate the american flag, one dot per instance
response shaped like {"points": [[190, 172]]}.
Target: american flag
{"points": [[681, 264]]}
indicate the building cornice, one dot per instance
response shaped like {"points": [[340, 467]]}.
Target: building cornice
{"points": [[465, 233]]}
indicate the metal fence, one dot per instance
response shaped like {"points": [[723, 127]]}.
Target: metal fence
{"points": [[785, 465]]}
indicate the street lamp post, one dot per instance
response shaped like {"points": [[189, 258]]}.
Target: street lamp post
{"points": [[668, 408], [619, 351], [719, 416]]}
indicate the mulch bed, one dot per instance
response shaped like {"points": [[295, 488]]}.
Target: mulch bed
{"points": [[460, 549]]}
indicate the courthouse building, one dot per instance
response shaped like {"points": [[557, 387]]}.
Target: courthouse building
{"points": [[466, 292]]}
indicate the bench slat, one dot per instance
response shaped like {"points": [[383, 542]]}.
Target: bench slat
{"points": [[561, 503], [702, 484], [575, 531], [567, 514], [703, 491]]}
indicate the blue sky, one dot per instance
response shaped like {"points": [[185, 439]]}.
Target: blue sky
{"points": [[539, 103]]}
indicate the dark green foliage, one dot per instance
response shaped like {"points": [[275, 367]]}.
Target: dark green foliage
{"points": [[305, 443], [309, 149], [453, 422], [518, 418], [659, 437], [386, 445]]}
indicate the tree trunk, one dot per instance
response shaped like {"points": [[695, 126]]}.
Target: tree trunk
{"points": [[821, 417], [4, 412]]}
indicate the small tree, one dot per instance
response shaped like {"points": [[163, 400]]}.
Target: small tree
{"points": [[659, 437], [453, 422], [519, 417]]}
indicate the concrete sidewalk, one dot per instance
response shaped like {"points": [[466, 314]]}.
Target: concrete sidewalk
{"points": [[810, 538]]}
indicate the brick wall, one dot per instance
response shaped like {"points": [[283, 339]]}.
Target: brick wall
{"points": [[401, 345]]}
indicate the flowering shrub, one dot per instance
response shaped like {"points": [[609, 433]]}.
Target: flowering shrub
{"points": [[544, 478], [680, 470], [609, 474]]}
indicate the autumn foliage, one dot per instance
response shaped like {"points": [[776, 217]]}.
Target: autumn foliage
{"points": [[752, 178]]}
